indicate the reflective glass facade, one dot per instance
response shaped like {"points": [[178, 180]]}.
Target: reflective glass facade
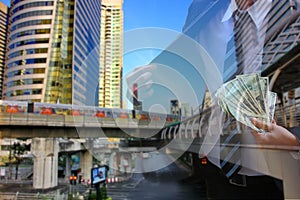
{"points": [[86, 52], [28, 49], [59, 74]]}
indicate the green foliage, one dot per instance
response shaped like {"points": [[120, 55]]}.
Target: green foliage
{"points": [[4, 160], [19, 149], [70, 196], [103, 192], [62, 160], [92, 196]]}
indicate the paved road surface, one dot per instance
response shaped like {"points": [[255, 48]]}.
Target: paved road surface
{"points": [[163, 184]]}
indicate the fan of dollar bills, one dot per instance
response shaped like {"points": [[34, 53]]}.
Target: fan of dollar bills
{"points": [[248, 96]]}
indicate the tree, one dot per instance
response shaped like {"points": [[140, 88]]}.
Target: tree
{"points": [[17, 150]]}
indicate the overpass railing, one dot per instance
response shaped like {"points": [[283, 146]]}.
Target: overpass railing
{"points": [[289, 115], [197, 126], [31, 119]]}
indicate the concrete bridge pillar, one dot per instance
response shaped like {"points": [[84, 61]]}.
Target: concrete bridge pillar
{"points": [[45, 167], [112, 164], [86, 164], [68, 167], [125, 163]]}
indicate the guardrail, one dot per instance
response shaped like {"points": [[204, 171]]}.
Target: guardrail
{"points": [[30, 119], [288, 116], [31, 196]]}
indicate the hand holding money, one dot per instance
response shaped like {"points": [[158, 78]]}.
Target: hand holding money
{"points": [[274, 135], [246, 97]]}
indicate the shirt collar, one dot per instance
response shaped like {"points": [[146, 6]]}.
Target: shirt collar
{"points": [[257, 15]]}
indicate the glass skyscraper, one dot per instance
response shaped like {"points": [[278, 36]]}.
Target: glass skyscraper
{"points": [[53, 52], [111, 54]]}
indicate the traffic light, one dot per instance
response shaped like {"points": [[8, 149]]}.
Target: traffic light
{"points": [[73, 180], [204, 160]]}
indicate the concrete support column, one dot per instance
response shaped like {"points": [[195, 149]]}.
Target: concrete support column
{"points": [[121, 164], [112, 165], [68, 167], [86, 164], [125, 163], [45, 167], [129, 167]]}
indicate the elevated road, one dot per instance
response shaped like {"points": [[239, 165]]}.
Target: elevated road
{"points": [[29, 125]]}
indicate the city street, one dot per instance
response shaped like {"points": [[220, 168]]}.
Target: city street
{"points": [[159, 100], [166, 183]]}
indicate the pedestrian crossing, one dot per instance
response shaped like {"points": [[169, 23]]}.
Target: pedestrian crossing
{"points": [[119, 191]]}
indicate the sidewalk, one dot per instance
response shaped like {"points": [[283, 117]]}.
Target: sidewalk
{"points": [[26, 187], [21, 189]]}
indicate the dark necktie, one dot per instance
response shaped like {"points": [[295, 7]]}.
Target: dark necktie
{"points": [[230, 151], [245, 37], [246, 41]]}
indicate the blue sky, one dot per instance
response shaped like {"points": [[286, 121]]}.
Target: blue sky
{"points": [[155, 13], [169, 14], [7, 2]]}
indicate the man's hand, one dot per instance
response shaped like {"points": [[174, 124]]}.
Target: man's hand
{"points": [[275, 135]]}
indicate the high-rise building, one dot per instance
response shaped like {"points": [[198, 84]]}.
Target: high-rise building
{"points": [[3, 38], [175, 107], [53, 51], [186, 110], [111, 49]]}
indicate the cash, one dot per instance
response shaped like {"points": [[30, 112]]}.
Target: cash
{"points": [[248, 96]]}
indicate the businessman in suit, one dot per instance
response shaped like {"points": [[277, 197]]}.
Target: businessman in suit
{"points": [[250, 36], [219, 30]]}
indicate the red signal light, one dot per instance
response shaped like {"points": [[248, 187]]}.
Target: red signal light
{"points": [[73, 180], [204, 160]]}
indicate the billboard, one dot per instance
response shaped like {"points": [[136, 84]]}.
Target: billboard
{"points": [[99, 174]]}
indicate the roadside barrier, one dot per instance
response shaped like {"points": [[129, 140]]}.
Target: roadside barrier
{"points": [[113, 180]]}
